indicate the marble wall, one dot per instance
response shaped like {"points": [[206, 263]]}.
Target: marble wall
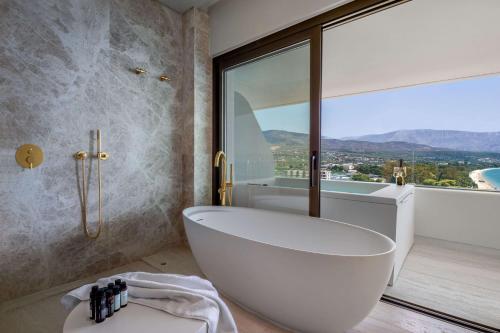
{"points": [[65, 70], [198, 102]]}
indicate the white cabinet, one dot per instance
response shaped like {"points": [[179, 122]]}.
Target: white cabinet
{"points": [[390, 212]]}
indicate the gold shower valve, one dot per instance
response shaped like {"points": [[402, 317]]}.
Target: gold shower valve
{"points": [[29, 156]]}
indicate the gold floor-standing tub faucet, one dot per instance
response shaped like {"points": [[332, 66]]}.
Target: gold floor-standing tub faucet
{"points": [[101, 156], [226, 187]]}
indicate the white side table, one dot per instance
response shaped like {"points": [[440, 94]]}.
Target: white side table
{"points": [[134, 318]]}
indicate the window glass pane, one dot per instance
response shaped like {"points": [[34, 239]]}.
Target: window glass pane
{"points": [[267, 130], [420, 82], [448, 134]]}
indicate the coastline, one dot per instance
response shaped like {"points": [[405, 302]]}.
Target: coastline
{"points": [[481, 182]]}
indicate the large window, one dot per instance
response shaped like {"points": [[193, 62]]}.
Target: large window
{"points": [[264, 149], [448, 134]]}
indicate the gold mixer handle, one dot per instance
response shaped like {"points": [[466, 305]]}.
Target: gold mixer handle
{"points": [[103, 156], [231, 173]]}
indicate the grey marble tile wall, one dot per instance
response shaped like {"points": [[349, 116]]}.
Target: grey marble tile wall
{"points": [[198, 101], [65, 70], [202, 112]]}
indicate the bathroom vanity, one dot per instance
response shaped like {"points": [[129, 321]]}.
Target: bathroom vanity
{"points": [[385, 208]]}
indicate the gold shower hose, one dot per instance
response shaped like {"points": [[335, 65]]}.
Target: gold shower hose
{"points": [[81, 155]]}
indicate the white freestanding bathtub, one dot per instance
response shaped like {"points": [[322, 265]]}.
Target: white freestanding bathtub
{"points": [[303, 273]]}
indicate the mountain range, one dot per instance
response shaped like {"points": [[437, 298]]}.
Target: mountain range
{"points": [[292, 139], [452, 140]]}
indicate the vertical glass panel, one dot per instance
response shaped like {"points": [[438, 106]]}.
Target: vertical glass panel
{"points": [[266, 130], [395, 89]]}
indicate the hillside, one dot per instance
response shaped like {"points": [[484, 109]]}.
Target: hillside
{"points": [[455, 140], [284, 138]]}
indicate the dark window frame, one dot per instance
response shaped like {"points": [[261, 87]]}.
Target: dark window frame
{"points": [[311, 30]]}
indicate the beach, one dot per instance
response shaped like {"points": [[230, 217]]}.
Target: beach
{"points": [[482, 184]]}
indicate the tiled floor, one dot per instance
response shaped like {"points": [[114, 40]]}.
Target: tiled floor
{"points": [[42, 312]]}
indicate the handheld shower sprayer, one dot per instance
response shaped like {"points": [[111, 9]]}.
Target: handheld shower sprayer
{"points": [[101, 156]]}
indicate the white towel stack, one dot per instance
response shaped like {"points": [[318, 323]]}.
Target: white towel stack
{"points": [[182, 296]]}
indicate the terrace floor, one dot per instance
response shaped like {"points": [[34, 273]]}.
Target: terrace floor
{"points": [[458, 279]]}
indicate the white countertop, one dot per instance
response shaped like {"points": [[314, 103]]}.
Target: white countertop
{"points": [[391, 194], [131, 319]]}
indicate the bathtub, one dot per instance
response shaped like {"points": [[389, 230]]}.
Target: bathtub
{"points": [[302, 273]]}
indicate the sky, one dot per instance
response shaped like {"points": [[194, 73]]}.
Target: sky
{"points": [[465, 105]]}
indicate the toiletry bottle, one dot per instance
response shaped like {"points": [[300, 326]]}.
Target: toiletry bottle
{"points": [[116, 293], [100, 309], [123, 294], [118, 282], [104, 306], [111, 285], [400, 178], [93, 294], [110, 302]]}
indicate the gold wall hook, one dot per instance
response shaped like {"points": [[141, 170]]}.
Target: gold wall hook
{"points": [[140, 70], [164, 78], [29, 156], [103, 156], [81, 155]]}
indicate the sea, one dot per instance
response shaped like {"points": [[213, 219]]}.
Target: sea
{"points": [[492, 176]]}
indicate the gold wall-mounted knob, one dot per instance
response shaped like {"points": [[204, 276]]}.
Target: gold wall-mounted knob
{"points": [[29, 156]]}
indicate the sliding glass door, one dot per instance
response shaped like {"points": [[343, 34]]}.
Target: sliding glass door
{"points": [[266, 130], [399, 91]]}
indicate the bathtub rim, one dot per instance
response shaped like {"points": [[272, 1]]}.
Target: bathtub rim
{"points": [[191, 210]]}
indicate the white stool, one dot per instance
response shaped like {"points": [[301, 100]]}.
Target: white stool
{"points": [[131, 319]]}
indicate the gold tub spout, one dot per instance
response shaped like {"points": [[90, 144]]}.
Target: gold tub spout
{"points": [[225, 186]]}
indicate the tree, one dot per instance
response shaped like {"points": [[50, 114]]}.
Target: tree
{"points": [[370, 169], [360, 177], [337, 168]]}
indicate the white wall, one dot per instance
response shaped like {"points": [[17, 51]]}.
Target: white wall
{"points": [[234, 23], [469, 217]]}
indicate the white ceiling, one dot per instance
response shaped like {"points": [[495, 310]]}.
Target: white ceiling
{"points": [[418, 42], [181, 6], [279, 80], [235, 23], [422, 41]]}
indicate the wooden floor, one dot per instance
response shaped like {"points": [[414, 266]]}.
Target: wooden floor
{"points": [[455, 278], [42, 312], [385, 318]]}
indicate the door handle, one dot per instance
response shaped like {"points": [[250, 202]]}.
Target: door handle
{"points": [[313, 167]]}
